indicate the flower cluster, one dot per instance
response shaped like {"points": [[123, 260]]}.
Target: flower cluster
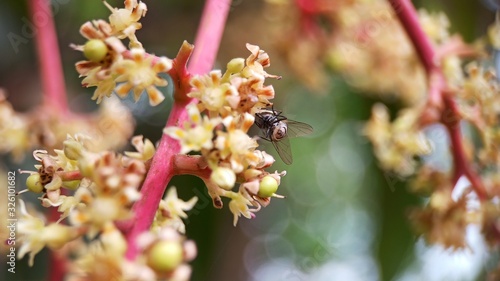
{"points": [[230, 101], [397, 142], [358, 39], [106, 221], [352, 38], [443, 220], [104, 186], [110, 66], [172, 210], [110, 127]]}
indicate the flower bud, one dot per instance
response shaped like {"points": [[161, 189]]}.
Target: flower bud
{"points": [[72, 185], [235, 65], [113, 240], [33, 183], [165, 256], [72, 149], [268, 186], [56, 235], [95, 50], [223, 177]]}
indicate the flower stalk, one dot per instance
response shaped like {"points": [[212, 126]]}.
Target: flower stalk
{"points": [[450, 115], [162, 166], [53, 87], [52, 76], [191, 165]]}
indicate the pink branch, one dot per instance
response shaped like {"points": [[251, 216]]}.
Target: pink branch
{"points": [[409, 19], [70, 175], [191, 165], [450, 115], [54, 90], [209, 35], [162, 169], [461, 164]]}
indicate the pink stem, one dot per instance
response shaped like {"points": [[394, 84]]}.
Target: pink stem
{"points": [[209, 35], [191, 165], [54, 90], [70, 175], [450, 114], [461, 163], [162, 168], [409, 19]]}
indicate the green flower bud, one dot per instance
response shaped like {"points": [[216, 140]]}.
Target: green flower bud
{"points": [[33, 183], [268, 186], [72, 149], [71, 184], [165, 256], [95, 50], [235, 65]]}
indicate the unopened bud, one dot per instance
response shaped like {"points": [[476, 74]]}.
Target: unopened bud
{"points": [[95, 50], [72, 149], [223, 177], [33, 183], [268, 186], [165, 256], [235, 65]]}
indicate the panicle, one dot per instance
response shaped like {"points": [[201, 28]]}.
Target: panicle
{"points": [[230, 101]]}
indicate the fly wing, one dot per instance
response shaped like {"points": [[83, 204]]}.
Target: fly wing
{"points": [[297, 129], [284, 151]]}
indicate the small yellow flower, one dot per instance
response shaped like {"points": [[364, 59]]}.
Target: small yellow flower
{"points": [[104, 82], [125, 21], [14, 133], [98, 71], [145, 149], [435, 25], [212, 93], [253, 94], [96, 262], [115, 175], [197, 134], [115, 48], [235, 145], [239, 206], [172, 210], [139, 74], [256, 63], [112, 188], [397, 143], [35, 235]]}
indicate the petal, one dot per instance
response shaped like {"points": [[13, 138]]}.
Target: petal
{"points": [[155, 95], [123, 89], [137, 93]]}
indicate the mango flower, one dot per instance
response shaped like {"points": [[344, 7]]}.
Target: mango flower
{"points": [[139, 74], [197, 133]]}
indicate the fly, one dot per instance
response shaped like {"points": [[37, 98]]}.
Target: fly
{"points": [[276, 128]]}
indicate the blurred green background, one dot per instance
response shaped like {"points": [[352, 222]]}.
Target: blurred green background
{"points": [[343, 219]]}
